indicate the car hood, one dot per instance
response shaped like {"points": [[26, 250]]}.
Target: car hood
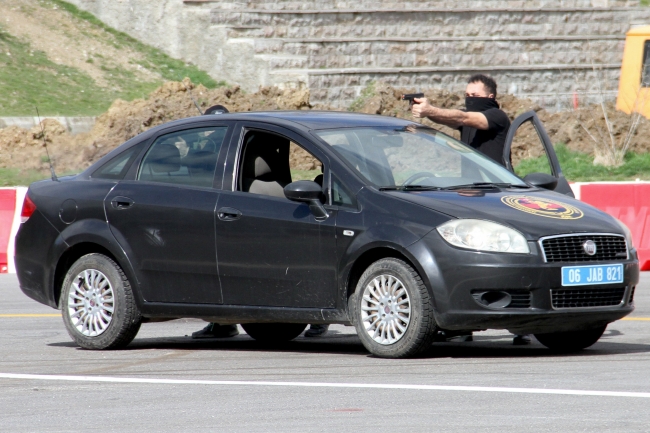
{"points": [[535, 213]]}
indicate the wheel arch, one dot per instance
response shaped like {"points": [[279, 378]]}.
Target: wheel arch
{"points": [[371, 255], [86, 237], [70, 256]]}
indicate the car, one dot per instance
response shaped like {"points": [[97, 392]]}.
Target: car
{"points": [[276, 220]]}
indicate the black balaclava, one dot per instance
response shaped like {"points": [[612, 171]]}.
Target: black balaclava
{"points": [[473, 103]]}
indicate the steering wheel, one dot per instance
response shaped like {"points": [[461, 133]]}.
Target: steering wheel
{"points": [[416, 176]]}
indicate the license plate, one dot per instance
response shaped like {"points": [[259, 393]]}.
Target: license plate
{"points": [[588, 275]]}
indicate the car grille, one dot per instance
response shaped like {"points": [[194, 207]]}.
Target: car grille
{"points": [[632, 295], [569, 248], [585, 298]]}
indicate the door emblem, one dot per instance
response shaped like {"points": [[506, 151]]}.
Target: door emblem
{"points": [[589, 247], [543, 207]]}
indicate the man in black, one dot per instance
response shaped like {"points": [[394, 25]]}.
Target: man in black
{"points": [[483, 125]]}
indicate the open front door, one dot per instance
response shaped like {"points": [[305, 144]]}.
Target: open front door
{"points": [[528, 137]]}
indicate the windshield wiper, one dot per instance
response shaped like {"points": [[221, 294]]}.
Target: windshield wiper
{"points": [[486, 185], [410, 188]]}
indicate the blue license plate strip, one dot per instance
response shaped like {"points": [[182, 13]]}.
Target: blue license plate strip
{"points": [[591, 275]]}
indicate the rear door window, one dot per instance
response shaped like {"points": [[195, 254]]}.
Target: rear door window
{"points": [[187, 157]]}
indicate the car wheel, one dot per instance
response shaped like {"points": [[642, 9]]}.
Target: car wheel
{"points": [[99, 311], [393, 312], [572, 341], [273, 332]]}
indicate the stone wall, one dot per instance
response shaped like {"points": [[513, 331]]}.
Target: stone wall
{"points": [[543, 49]]}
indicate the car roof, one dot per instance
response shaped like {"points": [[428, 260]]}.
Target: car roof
{"points": [[308, 119]]}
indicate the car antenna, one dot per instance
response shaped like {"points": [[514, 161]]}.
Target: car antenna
{"points": [[193, 100], [54, 178]]}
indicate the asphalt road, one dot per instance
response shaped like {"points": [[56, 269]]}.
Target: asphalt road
{"points": [[166, 382]]}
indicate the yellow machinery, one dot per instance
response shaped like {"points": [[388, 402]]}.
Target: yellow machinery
{"points": [[634, 84]]}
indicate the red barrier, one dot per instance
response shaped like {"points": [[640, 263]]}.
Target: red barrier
{"points": [[7, 210], [629, 203]]}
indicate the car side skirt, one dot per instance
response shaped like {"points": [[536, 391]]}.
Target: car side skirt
{"points": [[229, 314]]}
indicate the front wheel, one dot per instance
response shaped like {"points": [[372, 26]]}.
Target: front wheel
{"points": [[98, 308], [393, 312], [273, 332], [572, 341]]}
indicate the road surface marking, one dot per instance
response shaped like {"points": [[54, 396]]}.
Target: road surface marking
{"points": [[326, 385], [30, 315], [640, 319]]}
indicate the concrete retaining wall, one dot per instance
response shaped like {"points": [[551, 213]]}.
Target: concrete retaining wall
{"points": [[74, 125], [541, 49]]}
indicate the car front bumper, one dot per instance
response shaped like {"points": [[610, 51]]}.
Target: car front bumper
{"points": [[518, 292]]}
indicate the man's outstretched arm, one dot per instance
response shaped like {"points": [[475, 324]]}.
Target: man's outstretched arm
{"points": [[452, 118]]}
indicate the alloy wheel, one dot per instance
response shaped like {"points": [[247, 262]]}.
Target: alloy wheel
{"points": [[91, 303], [385, 309]]}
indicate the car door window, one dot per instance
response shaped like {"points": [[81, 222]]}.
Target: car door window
{"points": [[187, 157], [269, 162], [528, 154]]}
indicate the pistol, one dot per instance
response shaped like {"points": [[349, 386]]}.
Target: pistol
{"points": [[409, 97]]}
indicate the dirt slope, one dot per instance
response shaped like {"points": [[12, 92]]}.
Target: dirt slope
{"points": [[69, 41]]}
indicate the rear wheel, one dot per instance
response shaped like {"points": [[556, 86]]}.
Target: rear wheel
{"points": [[393, 312], [572, 341], [98, 308], [273, 332]]}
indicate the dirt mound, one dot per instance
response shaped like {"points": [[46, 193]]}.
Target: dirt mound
{"points": [[21, 148], [24, 149]]}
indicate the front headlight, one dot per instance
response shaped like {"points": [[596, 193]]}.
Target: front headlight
{"points": [[483, 236], [628, 234]]}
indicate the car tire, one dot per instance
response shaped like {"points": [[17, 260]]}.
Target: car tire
{"points": [[273, 332], [393, 311], [97, 303], [572, 341]]}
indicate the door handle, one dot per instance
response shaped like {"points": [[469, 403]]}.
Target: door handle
{"points": [[122, 203], [228, 214]]}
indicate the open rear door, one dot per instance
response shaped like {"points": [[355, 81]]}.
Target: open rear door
{"points": [[540, 156]]}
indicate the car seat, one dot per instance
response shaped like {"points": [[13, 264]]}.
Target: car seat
{"points": [[163, 158], [265, 168], [201, 165]]}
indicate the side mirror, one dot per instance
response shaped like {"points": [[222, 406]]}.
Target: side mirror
{"points": [[541, 180], [306, 191]]}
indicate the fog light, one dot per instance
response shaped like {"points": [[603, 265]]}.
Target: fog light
{"points": [[493, 299]]}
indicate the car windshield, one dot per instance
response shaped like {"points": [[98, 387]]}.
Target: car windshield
{"points": [[415, 157]]}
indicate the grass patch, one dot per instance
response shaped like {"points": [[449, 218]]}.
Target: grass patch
{"points": [[304, 174], [367, 93], [28, 78], [154, 60], [579, 167], [16, 177]]}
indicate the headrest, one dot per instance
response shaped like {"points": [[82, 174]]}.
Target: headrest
{"points": [[165, 158], [266, 157], [261, 167]]}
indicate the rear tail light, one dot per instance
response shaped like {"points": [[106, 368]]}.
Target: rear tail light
{"points": [[28, 209]]}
